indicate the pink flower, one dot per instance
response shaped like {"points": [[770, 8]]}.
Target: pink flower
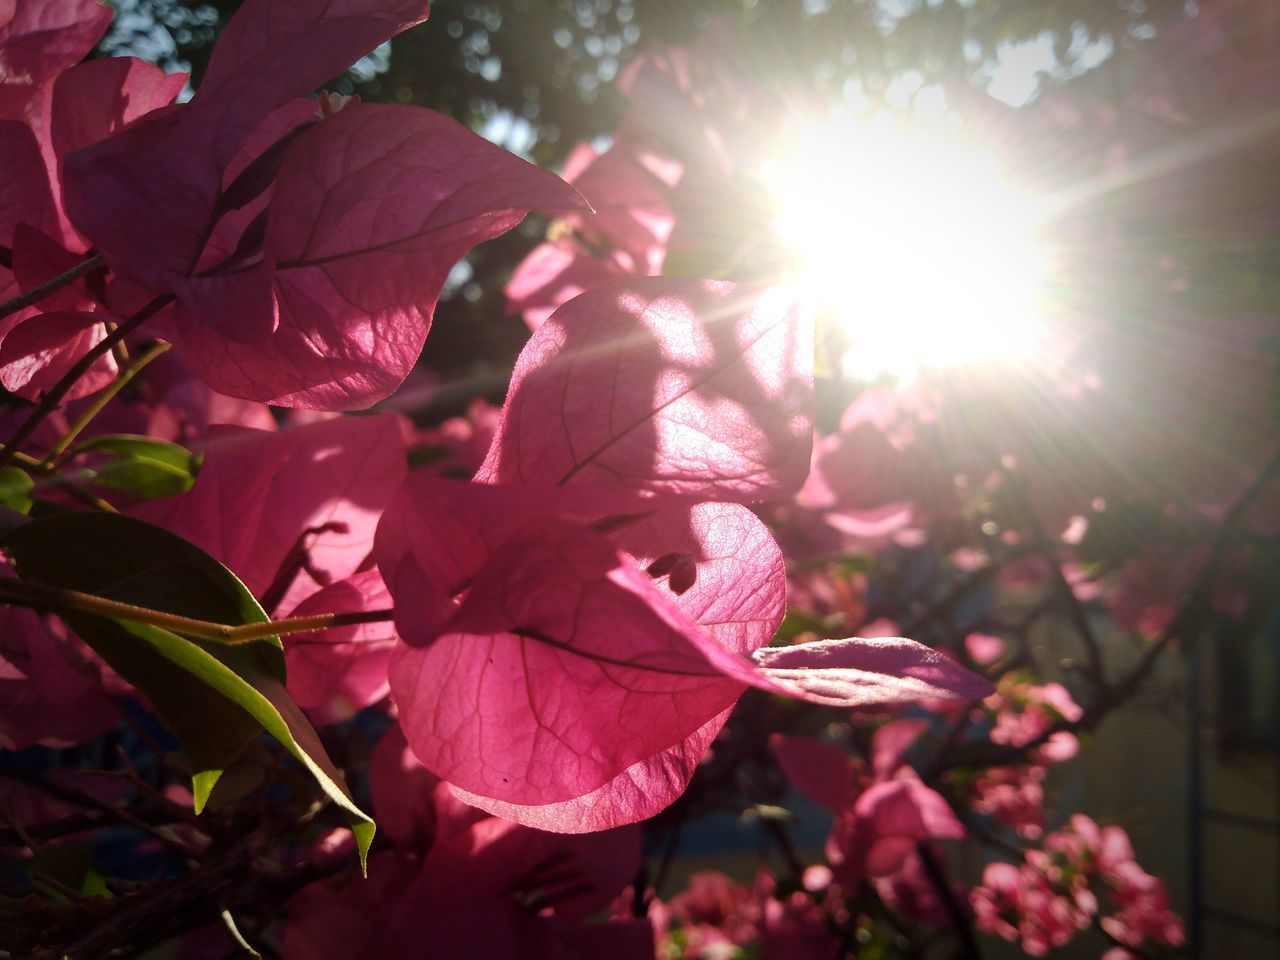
{"points": [[1013, 796], [1024, 712], [881, 817], [459, 882]]}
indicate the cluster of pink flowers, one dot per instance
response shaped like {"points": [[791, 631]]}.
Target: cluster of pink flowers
{"points": [[1044, 902], [715, 918], [1025, 712]]}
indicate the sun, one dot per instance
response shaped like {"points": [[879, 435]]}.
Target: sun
{"points": [[915, 239]]}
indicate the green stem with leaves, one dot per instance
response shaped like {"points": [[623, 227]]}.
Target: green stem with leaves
{"points": [[47, 474], [26, 593], [55, 456]]}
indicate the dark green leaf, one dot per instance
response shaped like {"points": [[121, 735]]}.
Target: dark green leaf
{"points": [[15, 489], [71, 866], [214, 696], [265, 699]]}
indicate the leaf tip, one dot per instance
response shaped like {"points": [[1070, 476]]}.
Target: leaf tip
{"points": [[202, 784], [364, 831]]}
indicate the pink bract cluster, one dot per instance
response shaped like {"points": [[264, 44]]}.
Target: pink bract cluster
{"points": [[571, 627], [458, 882], [524, 629], [1044, 902]]}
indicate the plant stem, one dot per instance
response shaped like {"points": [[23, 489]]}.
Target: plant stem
{"points": [[52, 285], [50, 401], [25, 593], [69, 487], [100, 402], [69, 793], [957, 911]]}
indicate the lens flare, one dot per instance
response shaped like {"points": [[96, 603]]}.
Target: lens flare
{"points": [[914, 239]]}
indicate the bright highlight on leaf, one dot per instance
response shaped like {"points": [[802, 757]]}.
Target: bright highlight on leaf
{"points": [[914, 240]]}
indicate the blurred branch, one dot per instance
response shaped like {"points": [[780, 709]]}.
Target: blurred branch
{"points": [[85, 800], [1185, 623], [955, 909]]}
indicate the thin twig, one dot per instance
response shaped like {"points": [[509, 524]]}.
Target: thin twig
{"points": [[958, 592], [55, 456], [68, 486], [52, 285], [1185, 620], [86, 800], [1134, 952], [53, 398], [147, 916]]}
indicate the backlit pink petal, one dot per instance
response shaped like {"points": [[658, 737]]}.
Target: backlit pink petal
{"points": [[38, 352], [371, 210], [403, 791], [562, 668], [637, 793], [150, 228], [269, 54], [239, 305], [336, 672], [278, 507], [715, 563], [576, 876], [344, 916], [247, 186], [983, 648], [94, 99], [874, 525], [822, 771], [690, 387], [858, 671], [51, 688], [889, 819], [437, 534], [632, 208], [890, 744], [314, 359], [551, 275], [272, 52], [911, 892], [25, 195], [41, 39], [185, 407], [718, 563], [857, 469]]}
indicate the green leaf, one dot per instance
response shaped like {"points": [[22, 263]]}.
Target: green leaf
{"points": [[265, 699], [214, 696], [69, 864], [95, 884], [15, 489], [142, 466], [202, 784]]}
